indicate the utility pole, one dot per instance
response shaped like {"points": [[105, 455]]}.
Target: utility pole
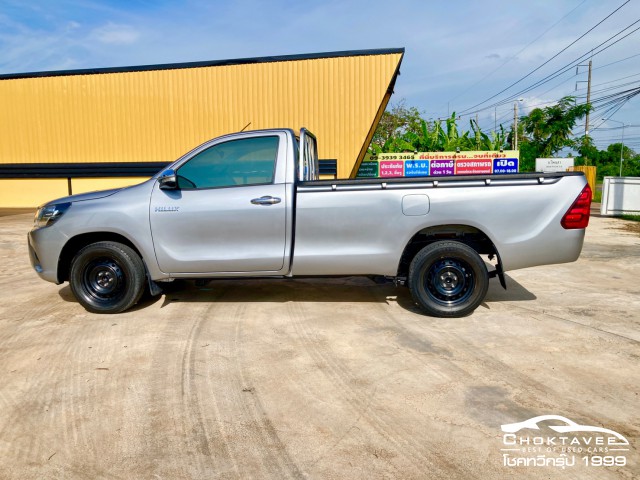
{"points": [[586, 123], [586, 120], [514, 143], [477, 134]]}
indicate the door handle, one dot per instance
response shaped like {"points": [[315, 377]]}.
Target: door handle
{"points": [[267, 200]]}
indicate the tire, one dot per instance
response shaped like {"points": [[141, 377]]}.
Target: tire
{"points": [[448, 279], [107, 277]]}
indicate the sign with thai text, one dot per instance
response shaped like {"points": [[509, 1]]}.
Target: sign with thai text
{"points": [[416, 168], [424, 164], [392, 168], [474, 167], [550, 165], [442, 167], [505, 165], [368, 170]]}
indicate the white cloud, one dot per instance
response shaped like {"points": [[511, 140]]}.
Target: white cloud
{"points": [[116, 34], [455, 58]]}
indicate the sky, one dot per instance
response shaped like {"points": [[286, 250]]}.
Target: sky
{"points": [[459, 53]]}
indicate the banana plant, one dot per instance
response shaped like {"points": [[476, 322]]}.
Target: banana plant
{"points": [[433, 137], [496, 141]]}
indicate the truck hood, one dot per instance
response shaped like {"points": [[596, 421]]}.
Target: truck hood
{"points": [[81, 197]]}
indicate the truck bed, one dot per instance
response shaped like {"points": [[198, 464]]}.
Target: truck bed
{"points": [[519, 213]]}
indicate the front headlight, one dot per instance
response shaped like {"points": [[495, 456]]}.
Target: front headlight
{"points": [[46, 216]]}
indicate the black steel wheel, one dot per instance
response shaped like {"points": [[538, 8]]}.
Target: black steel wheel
{"points": [[448, 279], [107, 277]]}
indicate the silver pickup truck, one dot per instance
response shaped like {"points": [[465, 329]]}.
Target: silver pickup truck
{"points": [[251, 205]]}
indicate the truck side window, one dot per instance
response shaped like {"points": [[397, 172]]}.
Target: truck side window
{"points": [[247, 161]]}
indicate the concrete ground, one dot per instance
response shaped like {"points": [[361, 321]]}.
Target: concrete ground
{"points": [[327, 379]]}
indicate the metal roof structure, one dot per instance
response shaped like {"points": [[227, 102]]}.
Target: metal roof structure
{"points": [[156, 113]]}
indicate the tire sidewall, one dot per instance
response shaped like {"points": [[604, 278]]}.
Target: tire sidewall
{"points": [[437, 251], [129, 263]]}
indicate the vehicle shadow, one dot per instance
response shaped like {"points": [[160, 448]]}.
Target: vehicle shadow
{"points": [[333, 290], [514, 292], [345, 289], [66, 294]]}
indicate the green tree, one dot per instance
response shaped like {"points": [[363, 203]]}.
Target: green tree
{"points": [[542, 133], [396, 121], [607, 161], [546, 131]]}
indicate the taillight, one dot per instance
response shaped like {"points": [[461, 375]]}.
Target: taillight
{"points": [[578, 215]]}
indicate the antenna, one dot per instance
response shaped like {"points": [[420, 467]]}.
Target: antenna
{"points": [[245, 127]]}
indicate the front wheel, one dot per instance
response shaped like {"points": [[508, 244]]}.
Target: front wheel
{"points": [[107, 277], [448, 279]]}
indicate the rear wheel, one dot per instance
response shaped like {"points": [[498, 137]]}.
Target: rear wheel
{"points": [[107, 277], [448, 279]]}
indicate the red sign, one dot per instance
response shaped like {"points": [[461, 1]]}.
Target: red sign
{"points": [[392, 168], [474, 167]]}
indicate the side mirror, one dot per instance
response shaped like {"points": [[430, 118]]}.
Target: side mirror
{"points": [[168, 180]]}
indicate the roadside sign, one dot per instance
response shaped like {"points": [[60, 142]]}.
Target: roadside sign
{"points": [[442, 167], [392, 168], [368, 170], [550, 165], [505, 165], [416, 168], [474, 167], [422, 164]]}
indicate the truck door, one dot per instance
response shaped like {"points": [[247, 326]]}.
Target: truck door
{"points": [[229, 210]]}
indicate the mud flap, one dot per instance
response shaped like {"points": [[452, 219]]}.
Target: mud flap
{"points": [[154, 288], [498, 272]]}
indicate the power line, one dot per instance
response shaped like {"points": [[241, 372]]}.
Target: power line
{"points": [[499, 121], [569, 66], [612, 98], [561, 71], [596, 85], [561, 83], [611, 81], [619, 128], [546, 62], [614, 139], [516, 54], [613, 109], [617, 61], [617, 139], [613, 87], [609, 100]]}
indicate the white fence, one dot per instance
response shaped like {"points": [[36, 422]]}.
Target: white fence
{"points": [[620, 196]]}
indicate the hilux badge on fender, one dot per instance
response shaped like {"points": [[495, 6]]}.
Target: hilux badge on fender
{"points": [[167, 209]]}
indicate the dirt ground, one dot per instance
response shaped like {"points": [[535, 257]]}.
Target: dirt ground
{"points": [[327, 378]]}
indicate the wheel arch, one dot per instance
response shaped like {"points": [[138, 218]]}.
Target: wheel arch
{"points": [[75, 244], [467, 234]]}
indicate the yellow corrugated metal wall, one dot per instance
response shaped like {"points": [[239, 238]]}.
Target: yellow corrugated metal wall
{"points": [[158, 115], [590, 172]]}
